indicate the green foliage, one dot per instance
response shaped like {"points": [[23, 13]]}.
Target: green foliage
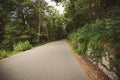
{"points": [[19, 23], [22, 46], [80, 39], [55, 28], [95, 36], [4, 53]]}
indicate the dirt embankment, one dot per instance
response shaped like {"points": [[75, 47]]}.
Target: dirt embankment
{"points": [[93, 72]]}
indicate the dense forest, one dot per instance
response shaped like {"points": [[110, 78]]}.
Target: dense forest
{"points": [[92, 26], [26, 23]]}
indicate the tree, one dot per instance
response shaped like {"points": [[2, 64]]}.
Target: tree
{"points": [[5, 11], [55, 24]]}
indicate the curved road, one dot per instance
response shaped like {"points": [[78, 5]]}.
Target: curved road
{"points": [[52, 61]]}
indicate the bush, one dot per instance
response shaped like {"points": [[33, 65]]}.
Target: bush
{"points": [[4, 53], [22, 46], [80, 39], [106, 30]]}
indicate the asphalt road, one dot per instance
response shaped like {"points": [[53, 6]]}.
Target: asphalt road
{"points": [[52, 61]]}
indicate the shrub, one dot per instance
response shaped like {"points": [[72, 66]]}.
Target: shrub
{"points": [[22, 46], [4, 53]]}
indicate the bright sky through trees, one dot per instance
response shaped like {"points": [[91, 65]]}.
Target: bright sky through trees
{"points": [[58, 7]]}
